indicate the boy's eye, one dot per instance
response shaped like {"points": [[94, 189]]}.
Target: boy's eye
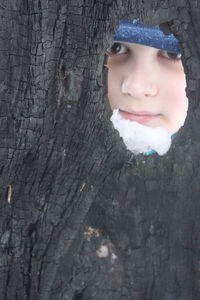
{"points": [[170, 55], [117, 48]]}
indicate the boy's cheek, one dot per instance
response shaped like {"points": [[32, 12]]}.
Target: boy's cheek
{"points": [[178, 109], [111, 98], [177, 94]]}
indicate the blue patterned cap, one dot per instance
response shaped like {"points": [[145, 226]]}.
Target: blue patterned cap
{"points": [[136, 32]]}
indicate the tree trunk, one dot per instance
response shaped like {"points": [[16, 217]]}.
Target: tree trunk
{"points": [[82, 218]]}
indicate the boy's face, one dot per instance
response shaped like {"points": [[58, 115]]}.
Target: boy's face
{"points": [[147, 85]]}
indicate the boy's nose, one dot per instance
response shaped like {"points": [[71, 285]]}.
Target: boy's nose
{"points": [[139, 84]]}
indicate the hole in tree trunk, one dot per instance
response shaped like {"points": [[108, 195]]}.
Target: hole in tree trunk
{"points": [[146, 87]]}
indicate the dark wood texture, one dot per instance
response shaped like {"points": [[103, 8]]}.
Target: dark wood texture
{"points": [[80, 217]]}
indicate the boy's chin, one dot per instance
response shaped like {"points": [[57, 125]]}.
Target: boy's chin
{"points": [[139, 138]]}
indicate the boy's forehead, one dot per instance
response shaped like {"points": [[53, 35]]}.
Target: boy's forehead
{"points": [[138, 33]]}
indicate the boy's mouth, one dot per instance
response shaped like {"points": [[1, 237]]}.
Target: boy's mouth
{"points": [[141, 117]]}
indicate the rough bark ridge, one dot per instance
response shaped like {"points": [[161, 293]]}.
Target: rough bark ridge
{"points": [[80, 217]]}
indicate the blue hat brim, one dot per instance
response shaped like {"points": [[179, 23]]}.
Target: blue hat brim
{"points": [[138, 33]]}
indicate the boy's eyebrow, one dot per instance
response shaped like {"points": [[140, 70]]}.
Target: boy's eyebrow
{"points": [[130, 45]]}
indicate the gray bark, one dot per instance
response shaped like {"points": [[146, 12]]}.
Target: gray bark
{"points": [[80, 217]]}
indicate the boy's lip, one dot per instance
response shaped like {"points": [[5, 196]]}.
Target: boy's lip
{"points": [[138, 116]]}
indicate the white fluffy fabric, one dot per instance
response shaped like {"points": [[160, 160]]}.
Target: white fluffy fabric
{"points": [[139, 138]]}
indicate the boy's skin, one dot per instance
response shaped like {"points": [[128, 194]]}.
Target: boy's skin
{"points": [[147, 85]]}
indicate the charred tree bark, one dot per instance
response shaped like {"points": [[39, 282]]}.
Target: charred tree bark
{"points": [[81, 218]]}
